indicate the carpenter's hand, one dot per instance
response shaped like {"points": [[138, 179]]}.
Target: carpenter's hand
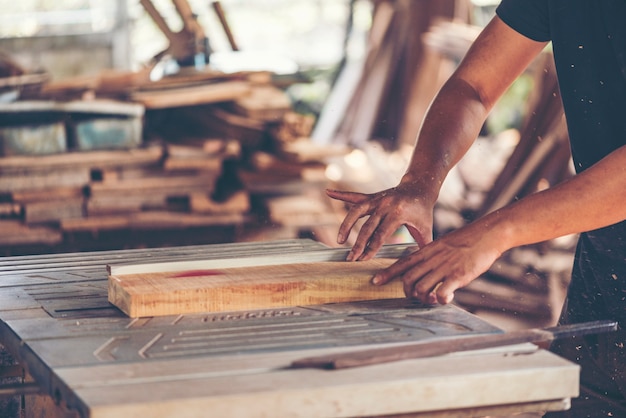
{"points": [[387, 211], [433, 273]]}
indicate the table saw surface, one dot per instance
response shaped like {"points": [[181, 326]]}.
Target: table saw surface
{"points": [[93, 359]]}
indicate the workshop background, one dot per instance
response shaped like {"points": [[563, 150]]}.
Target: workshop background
{"points": [[139, 124]]}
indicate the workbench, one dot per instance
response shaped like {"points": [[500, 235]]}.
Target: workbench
{"points": [[89, 359]]}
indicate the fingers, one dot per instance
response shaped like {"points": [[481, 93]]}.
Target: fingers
{"points": [[354, 214], [422, 278], [420, 239], [374, 233], [348, 197]]}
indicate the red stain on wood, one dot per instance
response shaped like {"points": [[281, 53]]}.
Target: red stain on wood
{"points": [[196, 273]]}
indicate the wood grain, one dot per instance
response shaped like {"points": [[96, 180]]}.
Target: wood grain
{"points": [[241, 288]]}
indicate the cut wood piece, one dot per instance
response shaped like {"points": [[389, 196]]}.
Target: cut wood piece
{"points": [[292, 127], [175, 186], [199, 163], [114, 204], [209, 93], [95, 159], [149, 220], [304, 150], [96, 223], [16, 233], [206, 155], [263, 161], [116, 174], [255, 287], [264, 102], [263, 182], [239, 202], [103, 107], [206, 147], [301, 210], [52, 193], [36, 181], [10, 209], [53, 210]]}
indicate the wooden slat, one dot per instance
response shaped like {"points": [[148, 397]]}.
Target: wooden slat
{"points": [[253, 287], [210, 93], [100, 159], [16, 233], [149, 220], [53, 210]]}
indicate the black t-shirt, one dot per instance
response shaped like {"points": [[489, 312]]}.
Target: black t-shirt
{"points": [[589, 44]]}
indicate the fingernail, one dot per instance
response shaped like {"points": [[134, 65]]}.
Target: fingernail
{"points": [[432, 298], [350, 256], [376, 279], [340, 238]]}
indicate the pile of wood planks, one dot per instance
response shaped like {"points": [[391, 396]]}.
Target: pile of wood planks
{"points": [[100, 190], [235, 154]]}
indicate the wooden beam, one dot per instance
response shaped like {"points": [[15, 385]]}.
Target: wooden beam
{"points": [[226, 289]]}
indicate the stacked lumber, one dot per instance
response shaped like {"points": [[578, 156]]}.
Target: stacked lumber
{"points": [[243, 159], [46, 198]]}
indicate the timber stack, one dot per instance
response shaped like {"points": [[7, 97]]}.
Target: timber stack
{"points": [[97, 158]]}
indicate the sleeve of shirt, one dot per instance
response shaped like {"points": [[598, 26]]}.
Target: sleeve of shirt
{"points": [[527, 17]]}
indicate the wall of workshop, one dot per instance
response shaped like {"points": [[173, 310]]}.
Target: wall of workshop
{"points": [[310, 32], [65, 41]]}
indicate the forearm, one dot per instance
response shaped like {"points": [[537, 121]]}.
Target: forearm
{"points": [[451, 125], [590, 200], [453, 121]]}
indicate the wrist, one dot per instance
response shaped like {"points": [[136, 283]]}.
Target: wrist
{"points": [[425, 185], [501, 229]]}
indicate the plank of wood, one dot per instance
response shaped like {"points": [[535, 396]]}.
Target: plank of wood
{"points": [[199, 163], [174, 185], [66, 177], [53, 210], [119, 158], [38, 195], [254, 287], [113, 204], [9, 209], [210, 93], [239, 202], [16, 233], [301, 210], [149, 220], [266, 103]]}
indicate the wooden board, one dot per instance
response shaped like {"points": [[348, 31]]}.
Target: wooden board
{"points": [[254, 287], [190, 96]]}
